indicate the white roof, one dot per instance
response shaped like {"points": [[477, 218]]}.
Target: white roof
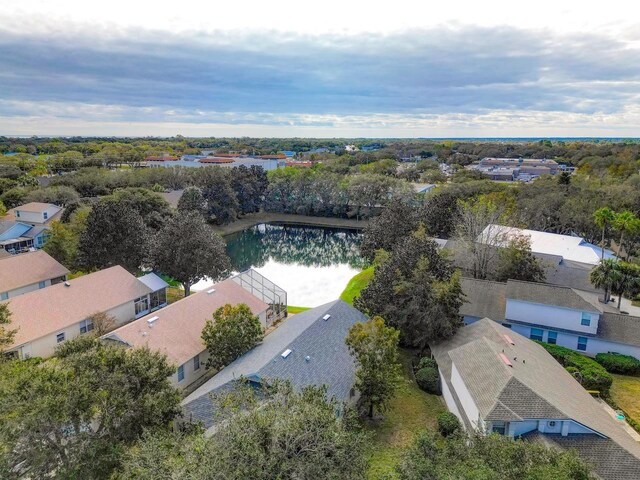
{"points": [[572, 248], [153, 281]]}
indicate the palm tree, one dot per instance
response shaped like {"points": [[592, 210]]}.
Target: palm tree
{"points": [[626, 278], [604, 217], [605, 276], [625, 222]]}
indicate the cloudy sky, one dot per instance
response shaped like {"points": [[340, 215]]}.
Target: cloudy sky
{"points": [[332, 68]]}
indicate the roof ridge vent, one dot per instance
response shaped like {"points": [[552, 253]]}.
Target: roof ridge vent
{"points": [[210, 291], [326, 317], [151, 321], [286, 353], [505, 360]]}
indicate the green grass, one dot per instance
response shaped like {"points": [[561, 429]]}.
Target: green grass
{"points": [[293, 310], [174, 294], [356, 284], [625, 391], [411, 411]]}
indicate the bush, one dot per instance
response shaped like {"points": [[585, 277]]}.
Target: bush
{"points": [[426, 362], [617, 363], [428, 380], [590, 374], [448, 424]]}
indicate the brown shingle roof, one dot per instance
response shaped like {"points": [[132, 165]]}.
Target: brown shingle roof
{"points": [[42, 312], [483, 298], [177, 330], [26, 269]]}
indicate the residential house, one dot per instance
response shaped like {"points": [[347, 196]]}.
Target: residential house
{"points": [[554, 314], [495, 380], [306, 349], [176, 330], [36, 213], [24, 273], [20, 237], [46, 317], [566, 247]]}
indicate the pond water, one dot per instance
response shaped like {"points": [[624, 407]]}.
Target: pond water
{"points": [[313, 264]]}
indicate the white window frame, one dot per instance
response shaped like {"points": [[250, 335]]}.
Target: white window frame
{"points": [[196, 363], [60, 340], [180, 373], [585, 343], [87, 325]]}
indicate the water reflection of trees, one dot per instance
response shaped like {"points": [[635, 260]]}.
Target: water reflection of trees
{"points": [[309, 246]]}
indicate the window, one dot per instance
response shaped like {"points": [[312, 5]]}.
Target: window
{"points": [[158, 298], [86, 326], [42, 284], [499, 427], [45, 215], [552, 337], [582, 343], [60, 337], [180, 373], [142, 305], [586, 319], [196, 362], [18, 213], [536, 334], [4, 295]]}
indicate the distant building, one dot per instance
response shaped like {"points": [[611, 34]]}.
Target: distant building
{"points": [[35, 213], [567, 247], [46, 317], [25, 228], [307, 349], [289, 153], [21, 274], [221, 160], [423, 187], [564, 316], [511, 169], [497, 381]]}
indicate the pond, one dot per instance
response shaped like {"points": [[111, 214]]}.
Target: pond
{"points": [[313, 264]]}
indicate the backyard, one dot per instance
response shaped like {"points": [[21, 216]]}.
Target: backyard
{"points": [[625, 392]]}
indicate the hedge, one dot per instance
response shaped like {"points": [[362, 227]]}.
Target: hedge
{"points": [[448, 424], [428, 380], [618, 363], [590, 373], [426, 362]]}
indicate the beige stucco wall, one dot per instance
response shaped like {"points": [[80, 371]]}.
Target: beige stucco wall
{"points": [[27, 288], [191, 375], [44, 346]]}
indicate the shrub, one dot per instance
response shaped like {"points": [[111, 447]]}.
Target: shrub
{"points": [[587, 371], [426, 362], [617, 363], [428, 380], [448, 424]]}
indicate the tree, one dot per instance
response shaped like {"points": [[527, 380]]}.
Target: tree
{"points": [[188, 250], [62, 244], [394, 223], [3, 210], [222, 202], [375, 348], [516, 262], [603, 218], [626, 278], [605, 276], [625, 222], [73, 416], [417, 290], [292, 435], [115, 234], [233, 331], [152, 208], [250, 185], [478, 219], [192, 200], [463, 456], [102, 323], [6, 335]]}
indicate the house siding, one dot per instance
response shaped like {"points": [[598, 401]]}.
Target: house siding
{"points": [[448, 399], [191, 375], [468, 405], [550, 316]]}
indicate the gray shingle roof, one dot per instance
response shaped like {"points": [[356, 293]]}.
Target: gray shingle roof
{"points": [[483, 298], [306, 335], [548, 295], [534, 386], [610, 460], [620, 328]]}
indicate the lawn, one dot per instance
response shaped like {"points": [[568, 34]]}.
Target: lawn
{"points": [[293, 310], [174, 294], [411, 411], [625, 391], [356, 284]]}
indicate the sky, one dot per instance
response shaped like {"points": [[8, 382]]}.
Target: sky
{"points": [[333, 68]]}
